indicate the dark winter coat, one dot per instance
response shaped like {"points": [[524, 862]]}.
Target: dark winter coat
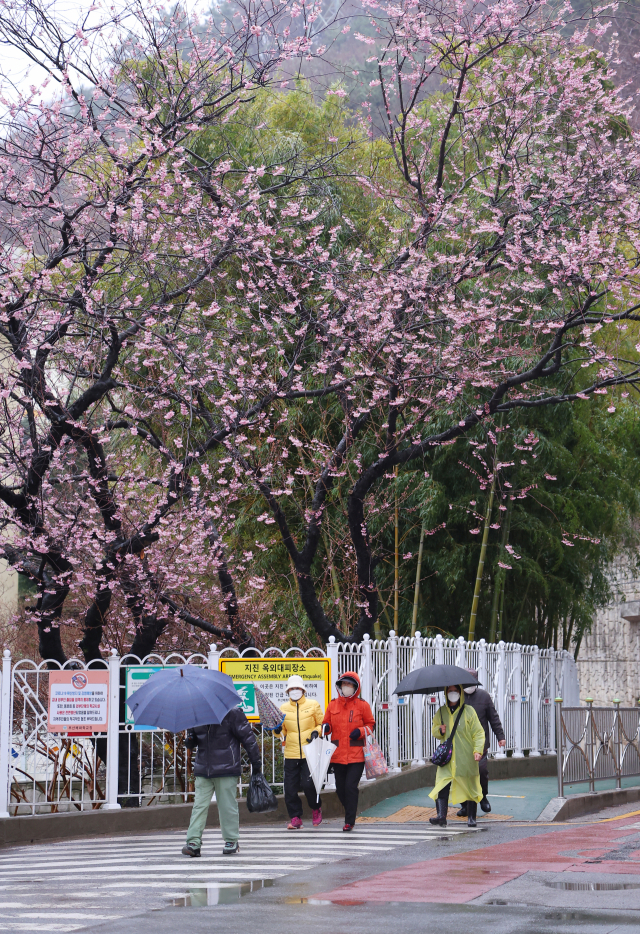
{"points": [[219, 746], [487, 714]]}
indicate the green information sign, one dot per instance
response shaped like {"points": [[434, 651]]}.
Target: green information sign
{"points": [[136, 676], [247, 694]]}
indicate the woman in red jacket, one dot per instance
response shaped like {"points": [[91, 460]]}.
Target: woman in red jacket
{"points": [[347, 718]]}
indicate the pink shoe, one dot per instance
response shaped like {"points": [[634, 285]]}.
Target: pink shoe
{"points": [[295, 823], [317, 817]]}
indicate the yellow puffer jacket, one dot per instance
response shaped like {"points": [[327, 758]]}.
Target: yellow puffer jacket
{"points": [[301, 718]]}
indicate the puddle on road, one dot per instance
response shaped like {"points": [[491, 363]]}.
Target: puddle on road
{"points": [[218, 893], [592, 886], [323, 901], [505, 903]]}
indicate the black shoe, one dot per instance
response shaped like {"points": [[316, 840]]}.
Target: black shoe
{"points": [[472, 810], [231, 847], [442, 805], [462, 812], [190, 849], [484, 804]]}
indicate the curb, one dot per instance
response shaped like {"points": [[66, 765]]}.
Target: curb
{"points": [[562, 809]]}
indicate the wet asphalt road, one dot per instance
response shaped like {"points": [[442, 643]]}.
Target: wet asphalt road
{"points": [[534, 903]]}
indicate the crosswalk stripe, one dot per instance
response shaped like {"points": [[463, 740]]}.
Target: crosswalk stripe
{"points": [[364, 830], [22, 926], [318, 846], [197, 879], [73, 915], [293, 840], [170, 868]]}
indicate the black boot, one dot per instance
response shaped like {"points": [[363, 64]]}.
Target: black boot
{"points": [[463, 811], [472, 810], [442, 805], [484, 804]]}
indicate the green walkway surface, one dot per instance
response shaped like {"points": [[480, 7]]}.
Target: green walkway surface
{"points": [[520, 798]]}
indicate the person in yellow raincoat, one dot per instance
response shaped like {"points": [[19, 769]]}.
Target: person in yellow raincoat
{"points": [[460, 778]]}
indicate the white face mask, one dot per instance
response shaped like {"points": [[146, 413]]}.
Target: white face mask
{"points": [[347, 689], [295, 694], [470, 690], [453, 696]]}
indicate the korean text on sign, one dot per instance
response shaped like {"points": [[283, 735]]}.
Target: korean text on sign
{"points": [[271, 676], [78, 700]]}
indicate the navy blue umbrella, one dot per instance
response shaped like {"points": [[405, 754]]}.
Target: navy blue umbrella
{"points": [[176, 699]]}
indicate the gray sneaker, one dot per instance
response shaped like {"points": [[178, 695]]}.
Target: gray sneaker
{"points": [[190, 849], [231, 847]]}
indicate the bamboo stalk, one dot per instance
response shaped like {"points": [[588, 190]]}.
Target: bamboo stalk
{"points": [[396, 573], [332, 571], [483, 551], [377, 623], [336, 591], [500, 578], [501, 614], [416, 592]]}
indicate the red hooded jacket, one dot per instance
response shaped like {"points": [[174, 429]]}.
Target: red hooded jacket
{"points": [[343, 715]]}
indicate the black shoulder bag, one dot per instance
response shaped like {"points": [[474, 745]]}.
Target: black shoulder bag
{"points": [[444, 751]]}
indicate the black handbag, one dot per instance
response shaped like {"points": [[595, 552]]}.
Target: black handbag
{"points": [[443, 753]]}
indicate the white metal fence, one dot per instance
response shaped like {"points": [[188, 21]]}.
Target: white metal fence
{"points": [[44, 772], [522, 680]]}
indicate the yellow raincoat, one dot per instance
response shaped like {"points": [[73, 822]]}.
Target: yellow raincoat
{"points": [[462, 768]]}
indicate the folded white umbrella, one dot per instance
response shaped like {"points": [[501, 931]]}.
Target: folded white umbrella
{"points": [[318, 754]]}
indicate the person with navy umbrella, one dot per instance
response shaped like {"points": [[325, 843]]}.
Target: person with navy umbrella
{"points": [[217, 768], [205, 703]]}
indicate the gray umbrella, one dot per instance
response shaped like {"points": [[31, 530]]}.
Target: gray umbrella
{"points": [[435, 678], [176, 699]]}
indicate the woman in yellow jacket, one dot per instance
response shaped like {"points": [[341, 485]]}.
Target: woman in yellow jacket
{"points": [[302, 719], [460, 777]]}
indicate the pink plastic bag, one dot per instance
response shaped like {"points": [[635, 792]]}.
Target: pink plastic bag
{"points": [[375, 763]]}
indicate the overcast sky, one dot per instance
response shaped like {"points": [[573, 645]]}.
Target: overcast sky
{"points": [[15, 68]]}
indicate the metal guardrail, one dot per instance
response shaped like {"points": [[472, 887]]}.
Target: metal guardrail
{"points": [[597, 743]]}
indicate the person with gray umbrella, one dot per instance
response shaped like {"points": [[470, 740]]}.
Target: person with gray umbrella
{"points": [[483, 705], [457, 778], [458, 726]]}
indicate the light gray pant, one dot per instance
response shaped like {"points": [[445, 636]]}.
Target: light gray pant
{"points": [[225, 789]]}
